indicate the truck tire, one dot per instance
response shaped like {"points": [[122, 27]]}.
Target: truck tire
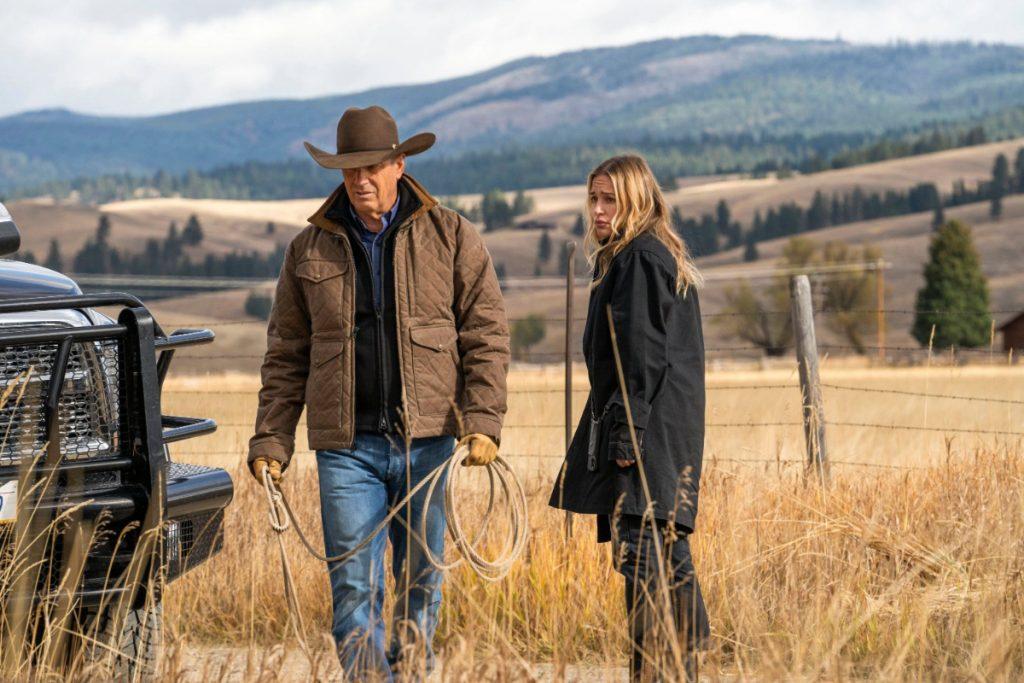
{"points": [[137, 646]]}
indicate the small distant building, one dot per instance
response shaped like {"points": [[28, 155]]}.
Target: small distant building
{"points": [[1013, 333]]}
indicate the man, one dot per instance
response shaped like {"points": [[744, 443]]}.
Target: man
{"points": [[389, 326]]}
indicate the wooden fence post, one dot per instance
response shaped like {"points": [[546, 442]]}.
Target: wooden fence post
{"points": [[880, 304], [570, 292], [810, 383]]}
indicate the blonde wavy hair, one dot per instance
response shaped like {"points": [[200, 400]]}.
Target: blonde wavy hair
{"points": [[639, 207]]}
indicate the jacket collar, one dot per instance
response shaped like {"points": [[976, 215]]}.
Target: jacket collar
{"points": [[334, 210]]}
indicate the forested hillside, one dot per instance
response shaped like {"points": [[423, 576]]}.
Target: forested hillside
{"points": [[697, 104]]}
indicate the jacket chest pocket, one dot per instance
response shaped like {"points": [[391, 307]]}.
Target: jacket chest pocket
{"points": [[324, 286], [431, 291], [435, 362]]}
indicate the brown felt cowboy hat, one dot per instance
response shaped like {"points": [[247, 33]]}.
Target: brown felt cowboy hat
{"points": [[367, 137]]}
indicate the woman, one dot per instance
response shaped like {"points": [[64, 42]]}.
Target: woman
{"points": [[644, 277]]}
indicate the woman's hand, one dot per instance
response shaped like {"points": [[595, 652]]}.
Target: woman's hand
{"points": [[624, 463]]}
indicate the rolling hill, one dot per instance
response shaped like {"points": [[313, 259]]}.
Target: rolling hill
{"points": [[232, 225], [241, 225], [903, 240], [666, 89]]}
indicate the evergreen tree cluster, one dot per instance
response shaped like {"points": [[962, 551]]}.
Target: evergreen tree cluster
{"points": [[714, 232], [526, 167], [896, 148], [162, 257], [709, 233], [496, 212]]}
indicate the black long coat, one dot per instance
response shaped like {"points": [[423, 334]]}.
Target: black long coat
{"points": [[661, 346]]}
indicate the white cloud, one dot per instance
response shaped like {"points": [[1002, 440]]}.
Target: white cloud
{"points": [[126, 57]]}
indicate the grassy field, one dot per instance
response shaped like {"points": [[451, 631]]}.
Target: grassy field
{"points": [[904, 240], [909, 566]]}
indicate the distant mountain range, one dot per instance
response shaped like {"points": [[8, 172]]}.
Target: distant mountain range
{"points": [[662, 90]]}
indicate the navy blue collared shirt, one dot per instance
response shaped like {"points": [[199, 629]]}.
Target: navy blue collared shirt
{"points": [[373, 242]]}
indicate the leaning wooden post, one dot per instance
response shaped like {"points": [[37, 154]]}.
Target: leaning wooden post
{"points": [[880, 304], [810, 383], [570, 292]]}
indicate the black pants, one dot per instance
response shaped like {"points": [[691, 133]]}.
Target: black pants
{"points": [[645, 599]]}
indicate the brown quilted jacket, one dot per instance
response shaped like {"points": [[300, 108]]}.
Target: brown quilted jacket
{"points": [[453, 344]]}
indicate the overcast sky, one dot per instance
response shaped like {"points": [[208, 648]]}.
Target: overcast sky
{"points": [[131, 57]]}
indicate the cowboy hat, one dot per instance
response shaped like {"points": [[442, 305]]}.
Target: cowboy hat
{"points": [[367, 137]]}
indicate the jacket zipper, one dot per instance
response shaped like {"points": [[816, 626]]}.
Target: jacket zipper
{"points": [[382, 416]]}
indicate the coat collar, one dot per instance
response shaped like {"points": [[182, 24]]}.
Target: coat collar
{"points": [[407, 182]]}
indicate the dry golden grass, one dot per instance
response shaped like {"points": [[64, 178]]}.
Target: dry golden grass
{"points": [[891, 573], [534, 427]]}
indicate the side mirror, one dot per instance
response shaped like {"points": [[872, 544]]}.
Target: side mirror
{"points": [[10, 238]]}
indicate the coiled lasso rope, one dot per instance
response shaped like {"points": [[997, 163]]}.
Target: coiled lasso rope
{"points": [[500, 476]]}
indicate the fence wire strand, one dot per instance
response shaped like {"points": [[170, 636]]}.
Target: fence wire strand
{"points": [[717, 314], [712, 460]]}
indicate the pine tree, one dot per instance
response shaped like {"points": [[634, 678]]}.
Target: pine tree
{"points": [[522, 204], [103, 229], [995, 207], [955, 295], [495, 210], [939, 217], [1018, 168], [171, 251], [53, 257], [818, 213], [750, 250], [193, 232], [729, 230], [544, 248], [836, 213], [580, 226], [701, 238], [270, 227], [999, 186], [151, 257]]}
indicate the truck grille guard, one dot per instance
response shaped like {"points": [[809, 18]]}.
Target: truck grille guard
{"points": [[94, 412], [125, 353]]}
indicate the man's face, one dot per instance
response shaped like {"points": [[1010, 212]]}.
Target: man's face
{"points": [[374, 189]]}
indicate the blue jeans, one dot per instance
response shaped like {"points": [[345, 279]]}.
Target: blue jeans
{"points": [[358, 486]]}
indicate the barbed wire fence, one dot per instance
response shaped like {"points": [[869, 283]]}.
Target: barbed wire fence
{"points": [[793, 389], [572, 395]]}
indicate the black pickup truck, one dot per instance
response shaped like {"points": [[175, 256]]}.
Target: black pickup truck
{"points": [[95, 516]]}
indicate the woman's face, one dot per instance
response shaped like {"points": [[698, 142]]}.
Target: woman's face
{"points": [[602, 206]]}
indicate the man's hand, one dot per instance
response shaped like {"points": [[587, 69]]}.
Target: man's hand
{"points": [[482, 449], [273, 468]]}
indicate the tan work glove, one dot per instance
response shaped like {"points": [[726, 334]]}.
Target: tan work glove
{"points": [[273, 468], [482, 449]]}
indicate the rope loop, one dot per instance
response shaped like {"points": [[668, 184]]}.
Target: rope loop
{"points": [[501, 478], [279, 519]]}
